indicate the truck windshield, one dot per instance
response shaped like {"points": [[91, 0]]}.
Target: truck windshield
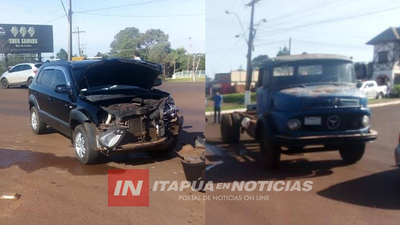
{"points": [[315, 72]]}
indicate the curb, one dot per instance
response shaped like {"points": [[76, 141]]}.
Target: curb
{"points": [[244, 109]]}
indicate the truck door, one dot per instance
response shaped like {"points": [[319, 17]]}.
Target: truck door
{"points": [[263, 90]]}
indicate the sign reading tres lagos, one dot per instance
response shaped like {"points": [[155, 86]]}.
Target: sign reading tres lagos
{"points": [[25, 38]]}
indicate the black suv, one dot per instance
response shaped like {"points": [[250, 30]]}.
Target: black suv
{"points": [[105, 106]]}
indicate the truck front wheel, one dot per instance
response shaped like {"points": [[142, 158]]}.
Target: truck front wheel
{"points": [[352, 153], [271, 153]]}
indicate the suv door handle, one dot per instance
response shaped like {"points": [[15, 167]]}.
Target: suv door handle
{"points": [[50, 98]]}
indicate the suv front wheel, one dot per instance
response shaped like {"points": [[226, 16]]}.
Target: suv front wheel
{"points": [[83, 149]]}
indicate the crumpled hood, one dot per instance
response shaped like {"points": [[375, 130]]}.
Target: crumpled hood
{"points": [[120, 72], [314, 96]]}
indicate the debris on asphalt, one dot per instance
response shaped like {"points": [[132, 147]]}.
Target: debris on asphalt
{"points": [[10, 196]]}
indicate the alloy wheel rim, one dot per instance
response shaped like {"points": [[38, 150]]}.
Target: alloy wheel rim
{"points": [[80, 145], [34, 120]]}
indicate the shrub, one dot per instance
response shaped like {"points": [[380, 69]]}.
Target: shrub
{"points": [[237, 98], [396, 90]]}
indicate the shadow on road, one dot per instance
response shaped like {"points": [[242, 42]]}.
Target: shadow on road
{"points": [[242, 161], [31, 161], [380, 190]]}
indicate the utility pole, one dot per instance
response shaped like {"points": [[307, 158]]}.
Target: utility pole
{"points": [[290, 46], [247, 94], [189, 53], [80, 50], [70, 31]]}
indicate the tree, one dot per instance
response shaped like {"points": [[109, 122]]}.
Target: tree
{"points": [[125, 42], [283, 51], [62, 54], [259, 61]]}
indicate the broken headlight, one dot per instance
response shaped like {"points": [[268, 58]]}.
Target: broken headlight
{"points": [[112, 137]]}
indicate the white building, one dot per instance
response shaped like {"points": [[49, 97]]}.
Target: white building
{"points": [[386, 66]]}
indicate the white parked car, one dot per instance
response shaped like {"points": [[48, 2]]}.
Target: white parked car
{"points": [[20, 74], [372, 90]]}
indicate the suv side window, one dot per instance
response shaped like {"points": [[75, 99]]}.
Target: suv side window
{"points": [[47, 78], [59, 78]]}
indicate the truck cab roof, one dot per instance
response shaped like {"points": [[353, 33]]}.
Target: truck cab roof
{"points": [[305, 57]]}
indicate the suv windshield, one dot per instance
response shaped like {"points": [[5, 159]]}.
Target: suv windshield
{"points": [[315, 72]]}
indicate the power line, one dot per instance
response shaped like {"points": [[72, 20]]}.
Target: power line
{"points": [[334, 20], [121, 6], [171, 15], [54, 19]]}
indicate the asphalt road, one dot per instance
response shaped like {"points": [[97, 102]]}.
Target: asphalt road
{"points": [[56, 189], [364, 193]]}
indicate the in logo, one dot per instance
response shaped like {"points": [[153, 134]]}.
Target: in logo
{"points": [[128, 187]]}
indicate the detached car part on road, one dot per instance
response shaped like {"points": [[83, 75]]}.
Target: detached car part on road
{"points": [[305, 100], [105, 106]]}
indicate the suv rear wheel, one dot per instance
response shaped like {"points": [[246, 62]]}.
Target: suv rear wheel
{"points": [[37, 125], [83, 149], [4, 83]]}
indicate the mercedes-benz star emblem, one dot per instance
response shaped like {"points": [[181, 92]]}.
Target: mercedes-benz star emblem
{"points": [[333, 122]]}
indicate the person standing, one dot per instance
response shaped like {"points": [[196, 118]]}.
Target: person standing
{"points": [[217, 107]]}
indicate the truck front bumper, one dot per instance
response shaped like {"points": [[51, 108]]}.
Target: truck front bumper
{"points": [[326, 139]]}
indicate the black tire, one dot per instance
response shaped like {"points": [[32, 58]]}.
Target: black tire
{"points": [[29, 82], [271, 153], [81, 139], [230, 128], [352, 153], [4, 83], [37, 126]]}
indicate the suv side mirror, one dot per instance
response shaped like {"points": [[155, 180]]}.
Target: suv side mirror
{"points": [[63, 89], [157, 82]]}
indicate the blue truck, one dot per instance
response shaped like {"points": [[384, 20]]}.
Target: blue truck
{"points": [[305, 103]]}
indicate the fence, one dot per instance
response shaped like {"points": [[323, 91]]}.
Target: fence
{"points": [[188, 74]]}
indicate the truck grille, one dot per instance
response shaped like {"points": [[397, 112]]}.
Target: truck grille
{"points": [[346, 122]]}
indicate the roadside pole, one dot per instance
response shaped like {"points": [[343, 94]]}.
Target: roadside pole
{"points": [[249, 70], [70, 31]]}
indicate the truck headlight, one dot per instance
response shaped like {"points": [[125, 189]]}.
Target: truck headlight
{"points": [[112, 137], [365, 121], [294, 124]]}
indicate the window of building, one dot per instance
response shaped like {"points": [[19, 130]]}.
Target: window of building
{"points": [[383, 57]]}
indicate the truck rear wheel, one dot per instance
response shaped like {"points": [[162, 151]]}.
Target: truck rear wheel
{"points": [[352, 153], [230, 128], [271, 153]]}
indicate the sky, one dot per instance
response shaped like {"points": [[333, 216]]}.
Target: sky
{"points": [[180, 19], [315, 26]]}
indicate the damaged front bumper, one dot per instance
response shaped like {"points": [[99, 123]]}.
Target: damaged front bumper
{"points": [[143, 137]]}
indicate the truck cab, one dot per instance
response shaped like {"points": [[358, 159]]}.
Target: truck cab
{"points": [[308, 100]]}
